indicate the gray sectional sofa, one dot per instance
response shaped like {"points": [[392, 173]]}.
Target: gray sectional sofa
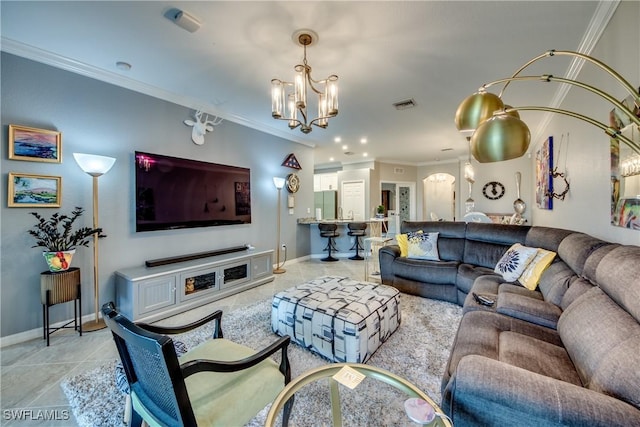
{"points": [[567, 353]]}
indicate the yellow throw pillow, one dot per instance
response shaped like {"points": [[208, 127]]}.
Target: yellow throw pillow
{"points": [[531, 274], [403, 242]]}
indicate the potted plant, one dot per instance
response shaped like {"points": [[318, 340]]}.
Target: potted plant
{"points": [[380, 211], [57, 236]]}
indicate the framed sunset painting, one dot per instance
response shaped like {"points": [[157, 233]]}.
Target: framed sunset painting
{"points": [[34, 145]]}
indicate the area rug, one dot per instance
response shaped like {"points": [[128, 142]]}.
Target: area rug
{"points": [[417, 351]]}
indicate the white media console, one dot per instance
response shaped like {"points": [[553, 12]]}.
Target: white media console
{"points": [[153, 293]]}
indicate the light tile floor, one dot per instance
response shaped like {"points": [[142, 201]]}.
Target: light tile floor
{"points": [[31, 372]]}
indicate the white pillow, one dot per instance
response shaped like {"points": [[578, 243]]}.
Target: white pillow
{"points": [[423, 246], [514, 261]]}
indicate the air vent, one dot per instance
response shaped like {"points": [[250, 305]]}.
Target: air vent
{"points": [[348, 153], [403, 105], [398, 170], [447, 149]]}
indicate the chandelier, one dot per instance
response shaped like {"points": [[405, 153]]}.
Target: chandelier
{"points": [[289, 99]]}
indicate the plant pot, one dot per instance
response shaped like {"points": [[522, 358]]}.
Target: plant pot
{"points": [[379, 215], [59, 261]]}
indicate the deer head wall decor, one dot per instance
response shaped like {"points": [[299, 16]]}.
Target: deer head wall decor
{"points": [[201, 126]]}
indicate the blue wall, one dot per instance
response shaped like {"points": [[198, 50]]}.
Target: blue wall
{"points": [[100, 118]]}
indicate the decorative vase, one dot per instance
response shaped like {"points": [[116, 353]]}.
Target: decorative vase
{"points": [[59, 261]]}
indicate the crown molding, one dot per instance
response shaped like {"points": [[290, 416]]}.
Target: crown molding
{"points": [[599, 21], [49, 58]]}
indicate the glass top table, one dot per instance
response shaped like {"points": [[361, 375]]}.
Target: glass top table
{"points": [[322, 398]]}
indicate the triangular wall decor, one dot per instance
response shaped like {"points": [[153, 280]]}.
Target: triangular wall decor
{"points": [[291, 162]]}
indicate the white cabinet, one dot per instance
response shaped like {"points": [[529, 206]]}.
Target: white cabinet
{"points": [[325, 181], [153, 293]]}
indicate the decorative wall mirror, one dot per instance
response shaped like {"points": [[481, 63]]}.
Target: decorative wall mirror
{"points": [[625, 171]]}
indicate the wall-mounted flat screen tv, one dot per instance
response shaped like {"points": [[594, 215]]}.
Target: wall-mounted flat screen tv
{"points": [[176, 193]]}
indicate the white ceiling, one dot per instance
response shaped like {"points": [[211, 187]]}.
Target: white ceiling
{"points": [[436, 52]]}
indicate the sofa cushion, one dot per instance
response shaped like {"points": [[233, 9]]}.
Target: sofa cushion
{"points": [[486, 243], [537, 356], [618, 274], [467, 274], [443, 272], [546, 237], [603, 340], [577, 287], [451, 239], [479, 334], [555, 281], [576, 248], [530, 309]]}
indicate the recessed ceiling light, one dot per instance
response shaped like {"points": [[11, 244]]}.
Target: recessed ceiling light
{"points": [[365, 155], [124, 66], [344, 147], [331, 159], [363, 140], [337, 139]]}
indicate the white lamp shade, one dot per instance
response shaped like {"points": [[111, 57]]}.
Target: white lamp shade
{"points": [[93, 164], [278, 182]]}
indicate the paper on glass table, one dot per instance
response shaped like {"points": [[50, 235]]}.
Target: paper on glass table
{"points": [[349, 377]]}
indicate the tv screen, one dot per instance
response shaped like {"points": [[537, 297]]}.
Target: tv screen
{"points": [[181, 193]]}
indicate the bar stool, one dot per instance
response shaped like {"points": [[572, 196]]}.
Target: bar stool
{"points": [[357, 230], [329, 231]]}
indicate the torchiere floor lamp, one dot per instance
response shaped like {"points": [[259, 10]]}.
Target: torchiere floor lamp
{"points": [[279, 183], [95, 166]]}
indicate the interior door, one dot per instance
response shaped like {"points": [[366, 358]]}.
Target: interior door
{"points": [[352, 200]]}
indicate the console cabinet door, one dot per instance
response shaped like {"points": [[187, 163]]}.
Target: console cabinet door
{"points": [[154, 294], [199, 282], [235, 274], [261, 266]]}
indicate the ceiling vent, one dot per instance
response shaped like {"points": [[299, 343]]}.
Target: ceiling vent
{"points": [[403, 105], [348, 153]]}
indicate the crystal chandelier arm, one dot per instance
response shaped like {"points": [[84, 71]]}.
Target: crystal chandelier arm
{"points": [[612, 132], [549, 78], [588, 58]]}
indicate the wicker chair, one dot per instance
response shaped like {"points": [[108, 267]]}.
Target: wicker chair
{"points": [[218, 382]]}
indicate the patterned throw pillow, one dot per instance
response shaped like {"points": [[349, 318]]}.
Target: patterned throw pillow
{"points": [[423, 246], [514, 261], [531, 275]]}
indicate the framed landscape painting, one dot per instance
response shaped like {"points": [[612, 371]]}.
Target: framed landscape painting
{"points": [[34, 191], [34, 145]]}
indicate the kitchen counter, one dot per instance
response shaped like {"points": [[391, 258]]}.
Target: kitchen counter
{"points": [[312, 220], [376, 227]]}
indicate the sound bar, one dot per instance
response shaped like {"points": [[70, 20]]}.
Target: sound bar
{"points": [[172, 260]]}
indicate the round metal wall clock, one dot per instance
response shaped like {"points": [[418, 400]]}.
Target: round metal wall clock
{"points": [[493, 190], [293, 183]]}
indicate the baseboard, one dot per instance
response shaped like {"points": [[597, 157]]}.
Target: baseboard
{"points": [[33, 334]]}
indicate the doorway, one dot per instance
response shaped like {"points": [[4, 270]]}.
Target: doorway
{"points": [[439, 197], [401, 203]]}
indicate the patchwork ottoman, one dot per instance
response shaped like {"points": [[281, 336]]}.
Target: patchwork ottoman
{"points": [[338, 318]]}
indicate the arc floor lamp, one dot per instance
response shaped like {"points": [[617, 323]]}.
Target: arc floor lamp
{"points": [[95, 166], [498, 132]]}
